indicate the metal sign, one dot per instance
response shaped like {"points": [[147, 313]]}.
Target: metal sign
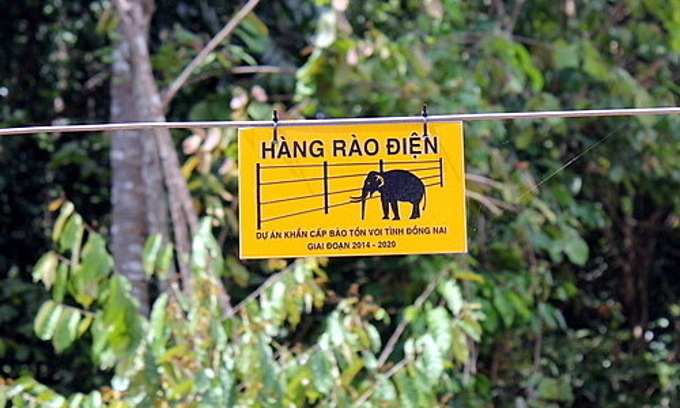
{"points": [[380, 189]]}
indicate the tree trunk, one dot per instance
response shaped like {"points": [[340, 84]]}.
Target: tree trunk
{"points": [[149, 194]]}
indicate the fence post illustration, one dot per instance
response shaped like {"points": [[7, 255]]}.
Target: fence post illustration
{"points": [[257, 196], [325, 187], [441, 173]]}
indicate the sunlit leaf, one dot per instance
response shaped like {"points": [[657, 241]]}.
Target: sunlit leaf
{"points": [[46, 320], [439, 323], [471, 327], [66, 330], [3, 397], [452, 295], [384, 390], [71, 237], [165, 257], [60, 282], [152, 247], [93, 400], [66, 211], [84, 324], [76, 400], [326, 29], [95, 265], [45, 269], [433, 359], [320, 366], [469, 276], [55, 204], [158, 327]]}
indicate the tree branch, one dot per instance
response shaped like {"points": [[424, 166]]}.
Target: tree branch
{"points": [[392, 342], [257, 292], [212, 44]]}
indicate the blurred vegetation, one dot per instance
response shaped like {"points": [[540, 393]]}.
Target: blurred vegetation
{"points": [[567, 297]]}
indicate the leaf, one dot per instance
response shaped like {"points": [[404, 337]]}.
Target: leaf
{"points": [[259, 110], [150, 253], [46, 320], [255, 27], [3, 397], [439, 323], [592, 61], [384, 390], [471, 327], [566, 54], [491, 316], [76, 400], [460, 346], [84, 324], [433, 358], [95, 265], [374, 336], [408, 392], [71, 237], [504, 307], [321, 367], [190, 165], [159, 331], [66, 211], [237, 271], [45, 269], [469, 276], [575, 248], [552, 317], [350, 371], [206, 255], [164, 258], [93, 400], [335, 329], [120, 321], [452, 295], [67, 329], [55, 204], [553, 389], [60, 283], [522, 309], [326, 29], [277, 299]]}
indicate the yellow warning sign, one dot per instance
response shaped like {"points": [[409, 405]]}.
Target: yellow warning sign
{"points": [[346, 190]]}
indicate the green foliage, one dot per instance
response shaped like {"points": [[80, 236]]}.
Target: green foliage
{"points": [[552, 201], [196, 351], [567, 298]]}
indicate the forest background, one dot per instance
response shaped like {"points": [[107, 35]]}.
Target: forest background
{"points": [[121, 284]]}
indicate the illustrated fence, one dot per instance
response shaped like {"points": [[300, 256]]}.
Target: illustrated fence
{"points": [[325, 177]]}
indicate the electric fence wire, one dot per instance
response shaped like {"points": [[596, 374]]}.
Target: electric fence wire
{"points": [[103, 127]]}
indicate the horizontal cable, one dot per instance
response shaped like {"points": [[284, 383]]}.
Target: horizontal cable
{"points": [[346, 121]]}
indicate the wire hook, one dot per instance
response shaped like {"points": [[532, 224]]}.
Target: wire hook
{"points": [[275, 119], [424, 113]]}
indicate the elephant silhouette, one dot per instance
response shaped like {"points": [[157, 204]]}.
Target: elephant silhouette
{"points": [[393, 186]]}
